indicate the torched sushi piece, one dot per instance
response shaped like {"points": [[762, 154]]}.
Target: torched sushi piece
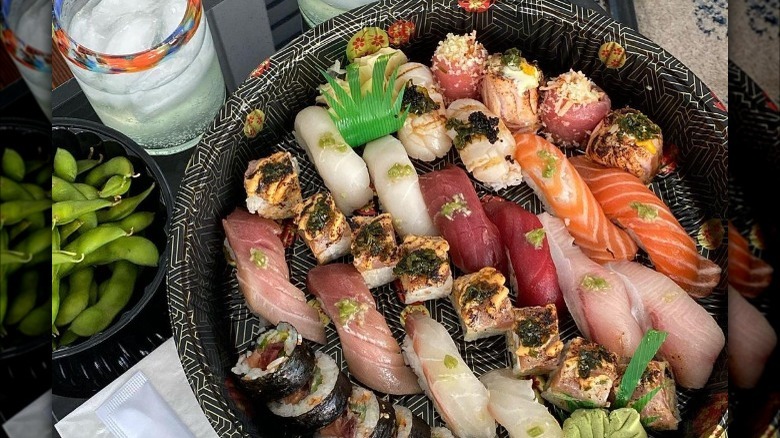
{"points": [[572, 106], [660, 412], [459, 65], [323, 227], [366, 416], [510, 89], [424, 269], [482, 302], [628, 140], [374, 249], [272, 187], [534, 341], [584, 377]]}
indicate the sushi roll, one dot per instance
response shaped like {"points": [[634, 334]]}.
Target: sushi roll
{"points": [[572, 106], [423, 134], [485, 144], [510, 89], [279, 365], [534, 342], [584, 377], [318, 403], [660, 412], [424, 269], [374, 249], [366, 416], [628, 140], [482, 303], [410, 425], [323, 227], [459, 65], [272, 186]]}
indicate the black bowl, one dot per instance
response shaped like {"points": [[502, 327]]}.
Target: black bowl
{"points": [[84, 367], [210, 320]]}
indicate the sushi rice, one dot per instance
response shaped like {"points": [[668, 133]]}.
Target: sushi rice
{"points": [[327, 368]]}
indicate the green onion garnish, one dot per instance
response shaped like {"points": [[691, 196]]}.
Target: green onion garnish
{"points": [[644, 353]]}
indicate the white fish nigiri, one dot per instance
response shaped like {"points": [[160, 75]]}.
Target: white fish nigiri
{"points": [[513, 404], [423, 134], [340, 167], [694, 338], [397, 186], [595, 296], [751, 341], [459, 397], [490, 158]]}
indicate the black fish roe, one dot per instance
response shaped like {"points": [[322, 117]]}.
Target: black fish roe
{"points": [[418, 101], [482, 124]]}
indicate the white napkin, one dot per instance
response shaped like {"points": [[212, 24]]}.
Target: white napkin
{"points": [[164, 372], [32, 421]]}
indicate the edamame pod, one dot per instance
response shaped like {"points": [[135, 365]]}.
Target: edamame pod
{"points": [[43, 176], [67, 230], [78, 297], [124, 207], [65, 165], [87, 190], [24, 301], [11, 190], [55, 277], [8, 257], [115, 166], [62, 190], [68, 338], [13, 212], [13, 164], [136, 222], [19, 228], [117, 185], [116, 296], [134, 249], [35, 191], [95, 238], [93, 293], [86, 165], [3, 279], [63, 257], [37, 321], [65, 212]]}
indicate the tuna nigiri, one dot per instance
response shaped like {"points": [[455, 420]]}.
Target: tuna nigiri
{"points": [[457, 394], [342, 170], [484, 143], [694, 338], [397, 186], [751, 341], [748, 274], [373, 355], [458, 215], [594, 295], [564, 194], [531, 269], [629, 203], [514, 405], [423, 134], [263, 276]]}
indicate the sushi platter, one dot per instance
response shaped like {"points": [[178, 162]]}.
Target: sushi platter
{"points": [[456, 219]]}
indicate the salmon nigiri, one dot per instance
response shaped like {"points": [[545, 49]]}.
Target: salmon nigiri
{"points": [[564, 194], [748, 274], [372, 353], [627, 201]]}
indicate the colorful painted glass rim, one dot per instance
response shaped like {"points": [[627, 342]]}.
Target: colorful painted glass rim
{"points": [[26, 55], [91, 60]]}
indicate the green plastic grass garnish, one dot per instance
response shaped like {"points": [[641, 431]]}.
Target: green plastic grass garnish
{"points": [[644, 353], [360, 117]]}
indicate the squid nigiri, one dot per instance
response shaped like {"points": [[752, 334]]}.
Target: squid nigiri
{"points": [[397, 186], [484, 143], [263, 276], [343, 171], [531, 269], [459, 65], [423, 134], [751, 341], [457, 213], [629, 203], [564, 194], [457, 394], [372, 354], [595, 296], [748, 274], [510, 89], [694, 338]]}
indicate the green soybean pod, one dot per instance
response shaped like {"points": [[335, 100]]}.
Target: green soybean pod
{"points": [[95, 238], [43, 176], [62, 190], [67, 230], [65, 165], [134, 249], [77, 299], [86, 165], [65, 212], [13, 212], [124, 207], [102, 288], [65, 257], [13, 165], [3, 279], [136, 222], [35, 243], [87, 190], [18, 229], [35, 191], [11, 190], [116, 296], [93, 293], [55, 277], [115, 166], [37, 322], [8, 257], [24, 301], [68, 338], [117, 185]]}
